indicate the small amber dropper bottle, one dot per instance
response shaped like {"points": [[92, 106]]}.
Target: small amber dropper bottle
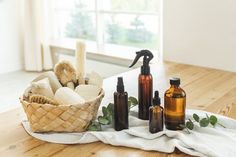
{"points": [[175, 104], [156, 115], [121, 112]]}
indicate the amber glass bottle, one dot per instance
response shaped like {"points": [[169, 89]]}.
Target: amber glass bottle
{"points": [[175, 104], [145, 95], [144, 84], [156, 115], [121, 112]]}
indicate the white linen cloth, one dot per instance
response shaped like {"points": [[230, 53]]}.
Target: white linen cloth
{"points": [[208, 141]]}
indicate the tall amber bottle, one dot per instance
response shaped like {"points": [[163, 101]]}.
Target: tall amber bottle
{"points": [[156, 115], [121, 112], [175, 104], [145, 90], [145, 86]]}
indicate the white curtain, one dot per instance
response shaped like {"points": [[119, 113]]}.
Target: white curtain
{"points": [[37, 34]]}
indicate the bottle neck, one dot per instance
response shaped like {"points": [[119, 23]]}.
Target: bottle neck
{"points": [[145, 70], [120, 89], [174, 86], [156, 104]]}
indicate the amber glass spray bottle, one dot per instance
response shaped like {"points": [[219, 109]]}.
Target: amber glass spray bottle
{"points": [[175, 104], [144, 84], [156, 115], [121, 107]]}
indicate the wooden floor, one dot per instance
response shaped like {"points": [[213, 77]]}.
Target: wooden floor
{"points": [[207, 89]]}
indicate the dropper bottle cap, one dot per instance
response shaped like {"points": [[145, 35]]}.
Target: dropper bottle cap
{"points": [[156, 100], [120, 85]]}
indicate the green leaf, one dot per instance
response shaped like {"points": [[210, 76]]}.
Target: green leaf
{"points": [[213, 120], [103, 120], [104, 111], [110, 108], [129, 105], [110, 119], [196, 117], [182, 126], [190, 125], [133, 100], [94, 126], [204, 122]]}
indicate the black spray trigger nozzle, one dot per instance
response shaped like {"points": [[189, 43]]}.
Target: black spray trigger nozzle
{"points": [[147, 57]]}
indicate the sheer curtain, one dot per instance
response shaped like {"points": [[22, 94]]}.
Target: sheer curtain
{"points": [[37, 34]]}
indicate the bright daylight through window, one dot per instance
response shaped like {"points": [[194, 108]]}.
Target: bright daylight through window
{"points": [[114, 27]]}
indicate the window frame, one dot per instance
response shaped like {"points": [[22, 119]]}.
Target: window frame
{"points": [[99, 14]]}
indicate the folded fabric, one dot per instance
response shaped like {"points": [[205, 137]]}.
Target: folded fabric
{"points": [[208, 141]]}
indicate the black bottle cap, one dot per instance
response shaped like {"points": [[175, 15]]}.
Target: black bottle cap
{"points": [[120, 85], [175, 81], [156, 100]]}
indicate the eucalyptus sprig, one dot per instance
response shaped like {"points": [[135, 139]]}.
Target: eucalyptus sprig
{"points": [[108, 114], [204, 122]]}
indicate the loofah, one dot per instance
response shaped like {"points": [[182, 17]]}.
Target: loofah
{"points": [[66, 74], [80, 55], [40, 99]]}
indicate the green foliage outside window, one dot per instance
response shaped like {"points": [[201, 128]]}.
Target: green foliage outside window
{"points": [[81, 25], [137, 35]]}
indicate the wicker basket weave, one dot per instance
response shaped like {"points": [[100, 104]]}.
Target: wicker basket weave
{"points": [[62, 118]]}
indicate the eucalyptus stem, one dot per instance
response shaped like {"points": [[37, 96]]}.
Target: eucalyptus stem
{"points": [[221, 125], [204, 122], [108, 113]]}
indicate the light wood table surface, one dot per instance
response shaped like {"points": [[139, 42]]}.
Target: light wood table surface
{"points": [[207, 89]]}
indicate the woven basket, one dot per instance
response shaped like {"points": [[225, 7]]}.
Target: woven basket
{"points": [[62, 118]]}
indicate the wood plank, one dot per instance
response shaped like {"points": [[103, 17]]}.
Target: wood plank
{"points": [[225, 105]]}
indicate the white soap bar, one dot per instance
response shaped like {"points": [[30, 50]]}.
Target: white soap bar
{"points": [[66, 96], [88, 92], [95, 79]]}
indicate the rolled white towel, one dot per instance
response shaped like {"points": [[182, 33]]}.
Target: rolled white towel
{"points": [[66, 96]]}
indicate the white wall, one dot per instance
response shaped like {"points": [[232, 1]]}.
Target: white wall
{"points": [[11, 41], [200, 32]]}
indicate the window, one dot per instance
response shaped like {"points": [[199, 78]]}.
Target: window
{"points": [[114, 27]]}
